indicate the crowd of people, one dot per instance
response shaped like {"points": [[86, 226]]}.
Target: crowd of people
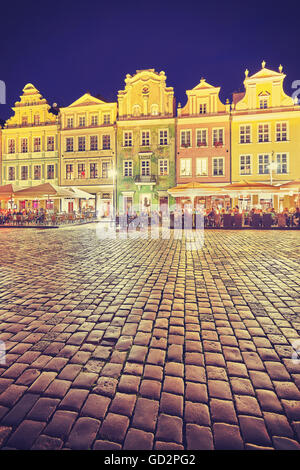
{"points": [[41, 217]]}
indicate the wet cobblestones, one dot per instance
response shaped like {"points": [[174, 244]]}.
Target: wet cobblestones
{"points": [[143, 344]]}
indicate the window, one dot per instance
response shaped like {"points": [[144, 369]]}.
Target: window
{"points": [[201, 167], [136, 110], [218, 137], [263, 133], [163, 166], [70, 122], [245, 165], [128, 168], [69, 144], [106, 142], [81, 121], [106, 118], [154, 110], [145, 167], [94, 142], [24, 120], [24, 145], [185, 167], [93, 170], [218, 167], [81, 144], [163, 137], [201, 137], [263, 164], [94, 120], [263, 103], [105, 169], [37, 144], [11, 173], [145, 138], [24, 173], [69, 171], [36, 120], [50, 172], [185, 138], [81, 170], [127, 139], [37, 172], [202, 109], [281, 132], [11, 146], [282, 163], [245, 134], [50, 144]]}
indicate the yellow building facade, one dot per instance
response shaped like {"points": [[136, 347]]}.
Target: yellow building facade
{"points": [[265, 135], [30, 144], [88, 152]]}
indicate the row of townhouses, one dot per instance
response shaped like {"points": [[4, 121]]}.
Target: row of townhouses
{"points": [[144, 151]]}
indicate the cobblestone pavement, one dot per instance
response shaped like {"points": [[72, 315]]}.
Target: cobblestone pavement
{"points": [[142, 344]]}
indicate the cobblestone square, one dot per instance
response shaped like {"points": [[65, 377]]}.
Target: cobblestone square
{"points": [[144, 344]]}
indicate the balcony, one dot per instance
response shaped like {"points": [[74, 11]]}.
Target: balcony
{"points": [[149, 180]]}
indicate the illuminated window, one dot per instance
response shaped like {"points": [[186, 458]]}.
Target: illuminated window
{"points": [[218, 137], [94, 142], [154, 109], [37, 144], [69, 144], [106, 118], [145, 138], [163, 166], [81, 121], [11, 173], [11, 146], [24, 173], [282, 163], [93, 170], [145, 167], [163, 137], [218, 167], [24, 120], [50, 172], [185, 167], [24, 145], [128, 168], [203, 109], [201, 166], [70, 122], [281, 131], [127, 139], [81, 144], [245, 134], [105, 169], [50, 144], [69, 171], [36, 120], [136, 110], [106, 142], [201, 137], [245, 165], [81, 170], [185, 138], [94, 120], [263, 164], [37, 172], [263, 133]]}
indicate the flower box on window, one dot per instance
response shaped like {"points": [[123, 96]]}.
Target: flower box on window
{"points": [[185, 145], [218, 144], [201, 144]]}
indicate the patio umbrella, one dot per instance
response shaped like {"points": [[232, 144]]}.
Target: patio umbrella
{"points": [[7, 191], [42, 191], [252, 186]]}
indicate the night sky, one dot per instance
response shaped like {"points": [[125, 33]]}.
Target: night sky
{"points": [[67, 48]]}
